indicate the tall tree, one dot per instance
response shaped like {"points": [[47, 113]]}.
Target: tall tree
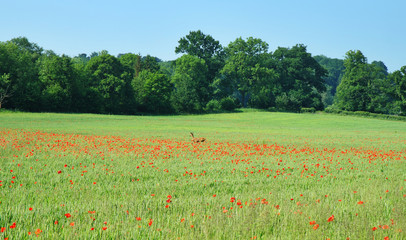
{"points": [[4, 88], [205, 47], [300, 79], [109, 81], [246, 71], [362, 85], [19, 63], [191, 92], [58, 80], [399, 79], [152, 92]]}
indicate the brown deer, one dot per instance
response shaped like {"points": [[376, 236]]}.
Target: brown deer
{"points": [[197, 140]]}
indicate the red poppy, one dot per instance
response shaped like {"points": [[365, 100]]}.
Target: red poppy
{"points": [[360, 202], [374, 228], [13, 225], [316, 226], [330, 219], [138, 218], [67, 215], [30, 208], [312, 222], [104, 228], [3, 229]]}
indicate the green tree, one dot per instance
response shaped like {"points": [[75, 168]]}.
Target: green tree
{"points": [[4, 88], [152, 92], [246, 72], [205, 47], [363, 86], [58, 79], [191, 91], [300, 80], [108, 81], [399, 79], [19, 63], [335, 68]]}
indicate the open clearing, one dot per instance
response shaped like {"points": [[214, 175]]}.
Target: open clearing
{"points": [[260, 175]]}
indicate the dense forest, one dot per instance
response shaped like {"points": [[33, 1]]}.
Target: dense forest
{"points": [[207, 77]]}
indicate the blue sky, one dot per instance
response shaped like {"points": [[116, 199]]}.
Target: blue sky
{"points": [[154, 27]]}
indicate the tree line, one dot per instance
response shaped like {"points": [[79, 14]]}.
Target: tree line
{"points": [[207, 77]]}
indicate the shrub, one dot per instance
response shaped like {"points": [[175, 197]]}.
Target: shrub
{"points": [[308, 110], [228, 104]]}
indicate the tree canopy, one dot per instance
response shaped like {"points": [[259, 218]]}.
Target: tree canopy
{"points": [[207, 77]]}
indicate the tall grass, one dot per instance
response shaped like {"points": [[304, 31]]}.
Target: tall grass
{"points": [[260, 176]]}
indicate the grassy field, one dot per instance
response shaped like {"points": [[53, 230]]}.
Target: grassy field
{"points": [[260, 175]]}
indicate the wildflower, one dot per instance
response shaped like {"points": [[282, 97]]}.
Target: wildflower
{"points": [[316, 226], [312, 222], [374, 228], [360, 202], [67, 215], [104, 228], [30, 209], [330, 219]]}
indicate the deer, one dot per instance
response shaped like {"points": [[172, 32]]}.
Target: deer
{"points": [[197, 140]]}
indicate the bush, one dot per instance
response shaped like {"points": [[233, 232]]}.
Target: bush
{"points": [[228, 104], [308, 110], [213, 106]]}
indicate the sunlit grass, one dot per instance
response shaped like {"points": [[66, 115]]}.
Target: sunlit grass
{"points": [[260, 175]]}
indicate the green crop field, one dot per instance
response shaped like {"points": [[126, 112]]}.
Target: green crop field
{"points": [[258, 175]]}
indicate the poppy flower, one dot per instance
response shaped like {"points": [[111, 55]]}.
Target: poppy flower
{"points": [[360, 202], [312, 222], [13, 225], [67, 215], [138, 218], [104, 228], [30, 209], [374, 228], [330, 219], [316, 226]]}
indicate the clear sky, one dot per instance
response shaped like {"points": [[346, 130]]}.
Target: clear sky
{"points": [[331, 28]]}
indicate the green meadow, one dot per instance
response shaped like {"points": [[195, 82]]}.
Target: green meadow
{"points": [[258, 175]]}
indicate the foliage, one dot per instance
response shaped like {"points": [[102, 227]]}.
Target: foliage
{"points": [[246, 71], [152, 91], [207, 78], [205, 47], [191, 92]]}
